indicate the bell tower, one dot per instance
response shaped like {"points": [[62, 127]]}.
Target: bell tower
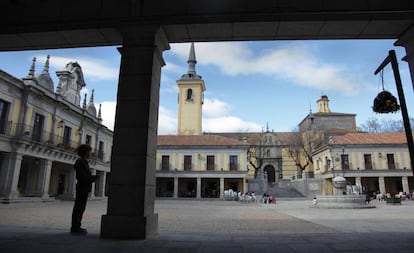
{"points": [[190, 99], [323, 104]]}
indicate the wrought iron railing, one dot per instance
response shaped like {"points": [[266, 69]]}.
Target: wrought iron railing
{"points": [[30, 133]]}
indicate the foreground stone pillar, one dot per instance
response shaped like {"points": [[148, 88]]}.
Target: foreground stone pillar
{"points": [[406, 40], [130, 213], [9, 177]]}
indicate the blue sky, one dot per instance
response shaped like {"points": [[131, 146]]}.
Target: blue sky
{"points": [[249, 84]]}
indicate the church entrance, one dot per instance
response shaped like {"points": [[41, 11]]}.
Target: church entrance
{"points": [[271, 174]]}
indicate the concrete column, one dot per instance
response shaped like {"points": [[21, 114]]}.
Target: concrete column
{"points": [[358, 181], [245, 186], [406, 40], [405, 185], [175, 187], [101, 184], [9, 175], [198, 188], [221, 187], [92, 193], [130, 213], [381, 182], [45, 170], [72, 185]]}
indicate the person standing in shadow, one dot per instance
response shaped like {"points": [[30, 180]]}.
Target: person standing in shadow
{"points": [[84, 182]]}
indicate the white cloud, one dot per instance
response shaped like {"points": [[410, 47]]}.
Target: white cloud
{"points": [[229, 124], [94, 68], [296, 63], [167, 122], [215, 107], [108, 113]]}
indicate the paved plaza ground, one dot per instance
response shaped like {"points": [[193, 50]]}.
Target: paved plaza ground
{"points": [[216, 226]]}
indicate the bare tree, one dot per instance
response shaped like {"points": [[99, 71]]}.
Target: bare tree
{"points": [[373, 125], [301, 146], [256, 152]]}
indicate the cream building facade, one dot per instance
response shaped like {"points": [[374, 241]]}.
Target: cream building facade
{"points": [[40, 127], [193, 164], [379, 162]]}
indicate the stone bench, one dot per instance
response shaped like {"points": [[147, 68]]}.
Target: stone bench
{"points": [[393, 200]]}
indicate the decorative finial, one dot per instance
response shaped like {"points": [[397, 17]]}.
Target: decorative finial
{"points": [[91, 99], [32, 68], [84, 102], [99, 113], [46, 67], [267, 127]]}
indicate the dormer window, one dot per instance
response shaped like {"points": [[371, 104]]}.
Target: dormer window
{"points": [[189, 94]]}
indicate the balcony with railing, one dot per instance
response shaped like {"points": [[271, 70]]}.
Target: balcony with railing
{"points": [[31, 134]]}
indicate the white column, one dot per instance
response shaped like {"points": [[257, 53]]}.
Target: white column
{"points": [[72, 185], [45, 170], [130, 212], [221, 187], [245, 185], [102, 184], [405, 185], [358, 181], [92, 193], [198, 188], [9, 177], [381, 182], [175, 187]]}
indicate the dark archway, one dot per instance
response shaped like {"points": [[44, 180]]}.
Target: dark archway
{"points": [[271, 173]]}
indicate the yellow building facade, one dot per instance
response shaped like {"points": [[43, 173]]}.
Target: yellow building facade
{"points": [[200, 166], [192, 164], [378, 162], [40, 127]]}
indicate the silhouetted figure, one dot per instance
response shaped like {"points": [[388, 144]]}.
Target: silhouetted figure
{"points": [[83, 188]]}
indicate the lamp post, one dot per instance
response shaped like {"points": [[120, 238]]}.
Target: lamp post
{"points": [[391, 58]]}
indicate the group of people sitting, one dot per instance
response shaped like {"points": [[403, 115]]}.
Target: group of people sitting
{"points": [[249, 197], [268, 199], [382, 196]]}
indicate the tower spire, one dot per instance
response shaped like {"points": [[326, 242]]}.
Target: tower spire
{"points": [[192, 60], [100, 113], [84, 102], [32, 68], [46, 67], [191, 73], [91, 99]]}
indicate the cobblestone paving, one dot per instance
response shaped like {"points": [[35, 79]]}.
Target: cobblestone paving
{"points": [[216, 226]]}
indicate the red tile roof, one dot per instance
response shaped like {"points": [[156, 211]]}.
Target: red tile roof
{"points": [[198, 140], [371, 138]]}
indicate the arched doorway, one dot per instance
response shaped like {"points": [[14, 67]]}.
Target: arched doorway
{"points": [[270, 171]]}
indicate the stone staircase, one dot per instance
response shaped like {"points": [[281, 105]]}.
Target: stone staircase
{"points": [[283, 190]]}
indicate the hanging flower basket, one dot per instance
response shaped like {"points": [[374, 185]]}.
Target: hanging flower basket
{"points": [[385, 102]]}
